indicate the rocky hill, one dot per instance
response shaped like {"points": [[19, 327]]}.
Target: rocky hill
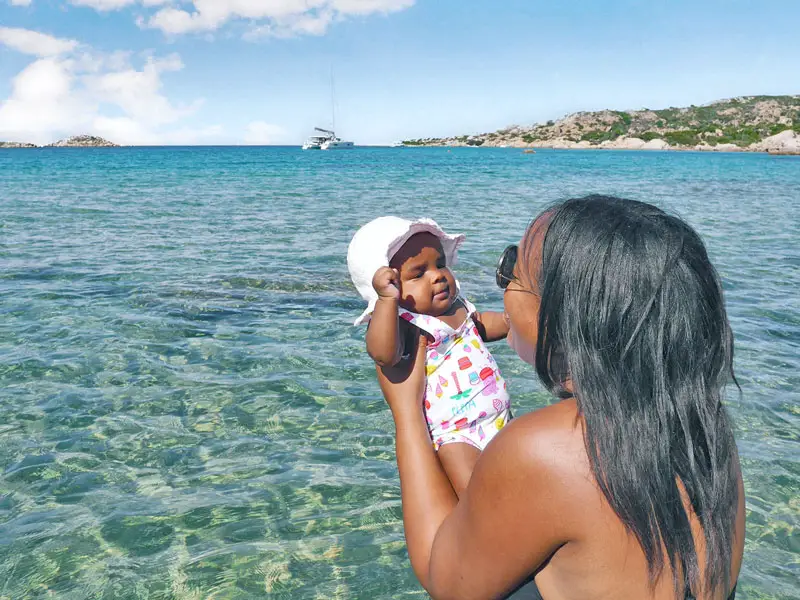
{"points": [[82, 141], [753, 123]]}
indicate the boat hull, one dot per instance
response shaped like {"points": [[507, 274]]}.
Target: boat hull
{"points": [[337, 145]]}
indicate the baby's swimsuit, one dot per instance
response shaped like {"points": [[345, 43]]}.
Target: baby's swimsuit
{"points": [[466, 399]]}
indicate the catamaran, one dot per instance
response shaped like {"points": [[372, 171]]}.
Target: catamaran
{"points": [[315, 142], [328, 141]]}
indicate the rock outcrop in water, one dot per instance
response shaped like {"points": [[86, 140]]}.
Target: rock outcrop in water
{"points": [[83, 141], [17, 145], [76, 141], [749, 123]]}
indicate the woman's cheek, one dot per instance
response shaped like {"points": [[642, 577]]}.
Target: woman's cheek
{"points": [[522, 347]]}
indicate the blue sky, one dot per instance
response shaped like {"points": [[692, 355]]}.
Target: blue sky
{"points": [[258, 71]]}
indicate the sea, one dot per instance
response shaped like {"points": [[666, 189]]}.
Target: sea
{"points": [[187, 412]]}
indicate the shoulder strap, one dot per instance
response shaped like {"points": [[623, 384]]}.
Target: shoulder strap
{"points": [[471, 310], [427, 323], [432, 325]]}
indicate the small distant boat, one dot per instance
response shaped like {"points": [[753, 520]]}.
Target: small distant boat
{"points": [[397, 145]]}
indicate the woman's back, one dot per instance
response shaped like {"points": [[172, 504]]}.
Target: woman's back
{"points": [[602, 560]]}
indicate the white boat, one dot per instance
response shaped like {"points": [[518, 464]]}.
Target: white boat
{"points": [[396, 145], [336, 144], [315, 142], [328, 141]]}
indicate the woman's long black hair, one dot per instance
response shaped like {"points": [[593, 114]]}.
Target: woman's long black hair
{"points": [[632, 314]]}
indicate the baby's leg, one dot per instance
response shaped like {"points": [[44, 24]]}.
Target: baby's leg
{"points": [[458, 459]]}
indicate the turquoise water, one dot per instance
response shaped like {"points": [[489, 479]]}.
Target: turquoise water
{"points": [[186, 412]]}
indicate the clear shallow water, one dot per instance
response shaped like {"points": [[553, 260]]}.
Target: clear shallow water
{"points": [[186, 412]]}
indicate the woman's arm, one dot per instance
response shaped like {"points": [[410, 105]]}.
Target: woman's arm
{"points": [[426, 493], [492, 326], [507, 523]]}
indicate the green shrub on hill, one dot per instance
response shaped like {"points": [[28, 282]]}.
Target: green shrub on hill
{"points": [[686, 137], [776, 129], [596, 136], [649, 135], [626, 117], [744, 136]]}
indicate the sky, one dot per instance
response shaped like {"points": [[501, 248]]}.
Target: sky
{"points": [[153, 72]]}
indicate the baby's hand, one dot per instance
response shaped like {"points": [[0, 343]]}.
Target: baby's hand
{"points": [[386, 282]]}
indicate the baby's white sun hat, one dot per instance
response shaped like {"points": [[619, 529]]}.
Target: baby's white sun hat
{"points": [[374, 245]]}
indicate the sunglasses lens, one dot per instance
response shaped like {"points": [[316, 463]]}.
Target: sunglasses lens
{"points": [[505, 267]]}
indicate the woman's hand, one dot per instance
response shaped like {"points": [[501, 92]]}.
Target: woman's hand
{"points": [[403, 385]]}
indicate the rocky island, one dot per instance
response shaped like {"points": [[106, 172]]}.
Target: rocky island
{"points": [[82, 141], [17, 145], [748, 123], [76, 141]]}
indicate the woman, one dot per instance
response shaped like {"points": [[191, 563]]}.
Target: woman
{"points": [[629, 485]]}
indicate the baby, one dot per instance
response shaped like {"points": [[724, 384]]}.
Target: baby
{"points": [[402, 269]]}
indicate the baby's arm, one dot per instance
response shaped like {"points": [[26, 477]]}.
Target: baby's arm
{"points": [[492, 326], [384, 342]]}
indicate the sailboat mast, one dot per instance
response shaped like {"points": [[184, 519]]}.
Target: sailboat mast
{"points": [[333, 103]]}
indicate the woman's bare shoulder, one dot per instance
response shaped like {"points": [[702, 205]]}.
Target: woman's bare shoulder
{"points": [[547, 431]]}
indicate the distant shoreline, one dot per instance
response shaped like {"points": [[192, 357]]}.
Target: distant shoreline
{"points": [[708, 150], [5, 146], [744, 124]]}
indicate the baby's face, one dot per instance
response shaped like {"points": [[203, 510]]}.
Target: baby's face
{"points": [[427, 286]]}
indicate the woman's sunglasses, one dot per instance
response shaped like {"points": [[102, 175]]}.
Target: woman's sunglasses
{"points": [[505, 267]]}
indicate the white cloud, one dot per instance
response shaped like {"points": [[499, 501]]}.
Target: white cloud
{"points": [[105, 5], [137, 92], [43, 100], [268, 17], [34, 42], [309, 24], [366, 7], [21, 2], [136, 134], [64, 93], [260, 133]]}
